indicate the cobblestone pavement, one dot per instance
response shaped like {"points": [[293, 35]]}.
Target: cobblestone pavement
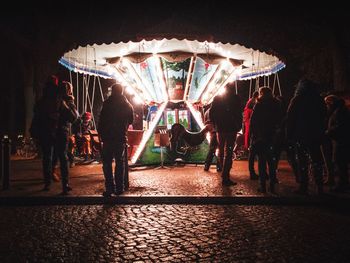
{"points": [[190, 180], [173, 233]]}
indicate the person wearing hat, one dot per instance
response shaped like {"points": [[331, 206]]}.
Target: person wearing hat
{"points": [[115, 117]]}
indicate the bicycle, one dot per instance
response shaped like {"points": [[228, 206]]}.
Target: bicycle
{"points": [[26, 147]]}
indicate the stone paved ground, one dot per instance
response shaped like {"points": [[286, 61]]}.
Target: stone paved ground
{"points": [[189, 180], [173, 233]]}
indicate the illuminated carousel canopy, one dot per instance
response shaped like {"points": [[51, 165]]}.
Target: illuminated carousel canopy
{"points": [[157, 71]]}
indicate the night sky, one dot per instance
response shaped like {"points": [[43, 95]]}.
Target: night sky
{"points": [[311, 38]]}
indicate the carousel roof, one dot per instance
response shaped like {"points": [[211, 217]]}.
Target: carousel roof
{"points": [[159, 70]]}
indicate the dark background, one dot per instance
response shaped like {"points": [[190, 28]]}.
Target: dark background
{"points": [[311, 38]]}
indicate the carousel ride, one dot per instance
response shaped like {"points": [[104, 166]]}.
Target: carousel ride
{"points": [[175, 78]]}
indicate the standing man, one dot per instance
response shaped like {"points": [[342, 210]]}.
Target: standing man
{"points": [[305, 127], [116, 115], [226, 115], [264, 123]]}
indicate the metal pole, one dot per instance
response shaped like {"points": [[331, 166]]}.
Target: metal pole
{"points": [[5, 159]]}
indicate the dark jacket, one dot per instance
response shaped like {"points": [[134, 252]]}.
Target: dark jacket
{"points": [[52, 118], [116, 115], [306, 116], [265, 120], [339, 124], [68, 115], [226, 113]]}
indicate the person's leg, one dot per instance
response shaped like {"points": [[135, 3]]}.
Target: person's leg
{"points": [[107, 159], [221, 146], [211, 152], [62, 147], [327, 155], [47, 151], [55, 174], [70, 151], [215, 148], [317, 165], [261, 155], [251, 161], [303, 168], [342, 161], [292, 160], [271, 160], [119, 168], [230, 139]]}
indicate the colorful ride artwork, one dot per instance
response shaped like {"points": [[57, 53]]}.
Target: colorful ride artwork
{"points": [[176, 79]]}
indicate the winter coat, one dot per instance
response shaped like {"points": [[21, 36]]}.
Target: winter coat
{"points": [[52, 118], [265, 120], [226, 113], [306, 116], [247, 114], [116, 115]]}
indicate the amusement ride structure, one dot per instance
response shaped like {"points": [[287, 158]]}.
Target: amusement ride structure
{"points": [[176, 78]]}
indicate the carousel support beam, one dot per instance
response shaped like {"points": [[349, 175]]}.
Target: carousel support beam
{"points": [[148, 133], [138, 80], [197, 116], [161, 78], [189, 76], [120, 77], [206, 90], [227, 80]]}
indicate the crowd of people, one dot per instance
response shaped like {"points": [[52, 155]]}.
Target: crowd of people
{"points": [[313, 130]]}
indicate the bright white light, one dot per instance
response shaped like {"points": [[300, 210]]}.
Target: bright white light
{"points": [[148, 133], [137, 100], [138, 80], [161, 79], [222, 91], [198, 117], [129, 90]]}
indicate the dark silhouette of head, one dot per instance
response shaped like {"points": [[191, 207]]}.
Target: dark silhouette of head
{"points": [[51, 88], [306, 87], [117, 90], [265, 92]]}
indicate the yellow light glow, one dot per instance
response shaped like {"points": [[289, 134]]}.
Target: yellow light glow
{"points": [[148, 133]]}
